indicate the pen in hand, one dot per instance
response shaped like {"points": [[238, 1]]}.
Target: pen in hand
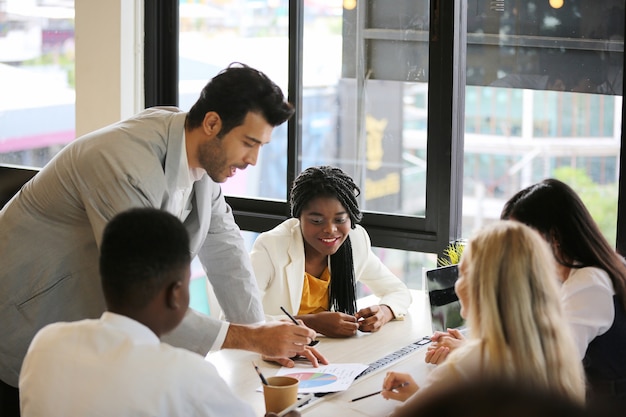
{"points": [[313, 342], [404, 384], [258, 371]]}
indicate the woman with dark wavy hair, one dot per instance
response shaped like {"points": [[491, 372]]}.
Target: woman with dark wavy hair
{"points": [[593, 278]]}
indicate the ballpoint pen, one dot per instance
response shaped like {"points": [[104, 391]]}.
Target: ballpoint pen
{"points": [[313, 342], [404, 384], [258, 371]]}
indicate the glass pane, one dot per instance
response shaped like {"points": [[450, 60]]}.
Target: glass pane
{"points": [[365, 97], [543, 99], [406, 265], [214, 33], [37, 102]]}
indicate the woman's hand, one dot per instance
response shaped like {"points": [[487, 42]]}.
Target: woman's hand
{"points": [[331, 324], [372, 318], [442, 344], [398, 386]]}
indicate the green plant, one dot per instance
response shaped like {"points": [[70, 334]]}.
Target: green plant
{"points": [[452, 254]]}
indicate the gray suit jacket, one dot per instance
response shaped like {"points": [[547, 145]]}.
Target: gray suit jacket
{"points": [[51, 232]]}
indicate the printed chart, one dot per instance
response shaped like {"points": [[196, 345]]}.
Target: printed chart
{"points": [[313, 379], [329, 378]]}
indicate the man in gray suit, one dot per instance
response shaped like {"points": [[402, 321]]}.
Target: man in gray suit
{"points": [[163, 158]]}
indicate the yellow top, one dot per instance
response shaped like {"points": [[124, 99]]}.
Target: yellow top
{"points": [[315, 293]]}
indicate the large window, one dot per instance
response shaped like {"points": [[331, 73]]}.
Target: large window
{"points": [[439, 109], [358, 73], [36, 80], [214, 34], [543, 99], [379, 95]]}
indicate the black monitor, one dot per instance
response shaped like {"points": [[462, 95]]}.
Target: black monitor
{"points": [[445, 308]]}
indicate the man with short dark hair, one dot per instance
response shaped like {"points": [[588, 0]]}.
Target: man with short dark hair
{"points": [[116, 365], [161, 158]]}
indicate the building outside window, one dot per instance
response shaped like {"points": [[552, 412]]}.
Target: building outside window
{"points": [[540, 95]]}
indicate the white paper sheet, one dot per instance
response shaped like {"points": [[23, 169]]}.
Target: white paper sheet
{"points": [[326, 378]]}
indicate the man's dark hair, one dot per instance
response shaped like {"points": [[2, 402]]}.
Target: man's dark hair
{"points": [[326, 181], [236, 91], [142, 250]]}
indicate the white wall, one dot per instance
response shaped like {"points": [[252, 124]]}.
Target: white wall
{"points": [[109, 61]]}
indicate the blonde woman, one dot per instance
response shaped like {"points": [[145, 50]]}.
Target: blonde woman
{"points": [[515, 320]]}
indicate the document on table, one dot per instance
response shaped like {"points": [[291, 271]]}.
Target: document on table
{"points": [[326, 378], [376, 405]]}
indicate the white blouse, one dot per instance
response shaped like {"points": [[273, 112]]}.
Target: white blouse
{"points": [[587, 296]]}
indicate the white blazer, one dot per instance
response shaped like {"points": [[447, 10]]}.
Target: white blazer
{"points": [[278, 262]]}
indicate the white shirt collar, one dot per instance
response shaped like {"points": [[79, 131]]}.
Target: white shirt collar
{"points": [[195, 174], [184, 181], [140, 333], [179, 200]]}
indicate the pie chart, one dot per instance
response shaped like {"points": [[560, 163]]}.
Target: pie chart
{"points": [[313, 379]]}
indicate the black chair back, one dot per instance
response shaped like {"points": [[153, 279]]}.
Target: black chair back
{"points": [[12, 178]]}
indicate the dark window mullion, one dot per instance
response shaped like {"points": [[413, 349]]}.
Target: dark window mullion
{"points": [[621, 201], [446, 111], [295, 86], [161, 33]]}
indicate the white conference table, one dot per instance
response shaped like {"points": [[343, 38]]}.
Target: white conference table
{"points": [[235, 366]]}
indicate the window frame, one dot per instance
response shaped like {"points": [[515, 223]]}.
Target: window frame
{"points": [[445, 128]]}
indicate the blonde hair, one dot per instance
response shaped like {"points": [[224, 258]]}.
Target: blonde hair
{"points": [[514, 309]]}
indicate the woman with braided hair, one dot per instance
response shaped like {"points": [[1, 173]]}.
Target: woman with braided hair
{"points": [[310, 264]]}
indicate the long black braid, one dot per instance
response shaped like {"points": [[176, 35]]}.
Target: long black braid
{"points": [[326, 181]]}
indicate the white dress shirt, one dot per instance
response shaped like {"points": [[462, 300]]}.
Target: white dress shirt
{"points": [[587, 296], [116, 366], [179, 202]]}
